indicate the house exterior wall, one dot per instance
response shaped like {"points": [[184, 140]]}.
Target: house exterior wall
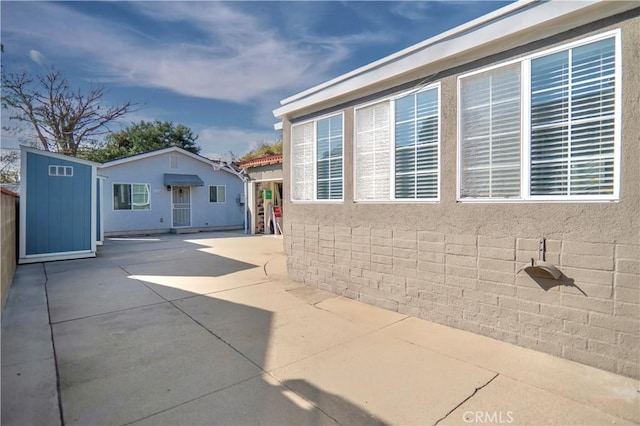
{"points": [[457, 263], [158, 218], [58, 208], [268, 172]]}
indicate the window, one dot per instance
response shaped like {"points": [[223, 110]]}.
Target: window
{"points": [[317, 160], [543, 128], [397, 148], [217, 194], [173, 161], [131, 196], [61, 171]]}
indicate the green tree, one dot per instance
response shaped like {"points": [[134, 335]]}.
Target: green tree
{"points": [[142, 137], [263, 150], [9, 165], [63, 119]]}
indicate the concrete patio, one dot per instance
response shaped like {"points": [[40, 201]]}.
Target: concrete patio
{"points": [[205, 329]]}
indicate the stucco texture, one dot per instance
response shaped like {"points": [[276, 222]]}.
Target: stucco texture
{"points": [[457, 263]]}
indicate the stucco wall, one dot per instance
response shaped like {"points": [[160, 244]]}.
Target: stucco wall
{"points": [[151, 170], [8, 216], [456, 263], [268, 172]]}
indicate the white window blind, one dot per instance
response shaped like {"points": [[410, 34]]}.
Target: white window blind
{"points": [[329, 158], [416, 145], [573, 121], [302, 162], [372, 152], [490, 134]]}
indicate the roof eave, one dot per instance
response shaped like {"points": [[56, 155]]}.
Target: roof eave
{"points": [[508, 27]]}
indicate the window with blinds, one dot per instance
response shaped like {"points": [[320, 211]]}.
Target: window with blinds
{"points": [[302, 182], [317, 160], [397, 148], [573, 121], [372, 152], [570, 148], [490, 134], [416, 145], [329, 158]]}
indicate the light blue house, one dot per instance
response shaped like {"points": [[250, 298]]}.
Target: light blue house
{"points": [[59, 211], [170, 190]]}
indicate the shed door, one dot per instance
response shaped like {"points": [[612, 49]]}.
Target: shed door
{"points": [[181, 196]]}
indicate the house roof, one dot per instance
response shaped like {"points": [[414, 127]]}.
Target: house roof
{"points": [[514, 25], [218, 165], [57, 155], [262, 161]]}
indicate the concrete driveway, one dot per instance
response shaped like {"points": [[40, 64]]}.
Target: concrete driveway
{"points": [[205, 329]]}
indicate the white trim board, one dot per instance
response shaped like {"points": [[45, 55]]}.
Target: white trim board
{"points": [[514, 25]]}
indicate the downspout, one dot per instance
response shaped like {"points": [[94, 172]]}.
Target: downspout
{"points": [[245, 180]]}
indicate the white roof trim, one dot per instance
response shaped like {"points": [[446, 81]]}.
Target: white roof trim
{"points": [[57, 155], [217, 165], [513, 25], [149, 154]]}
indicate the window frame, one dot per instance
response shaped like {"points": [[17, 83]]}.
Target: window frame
{"points": [[113, 207], [224, 187], [56, 168], [314, 199], [391, 100], [525, 126]]}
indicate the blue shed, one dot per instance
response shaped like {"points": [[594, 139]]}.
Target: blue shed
{"points": [[58, 208]]}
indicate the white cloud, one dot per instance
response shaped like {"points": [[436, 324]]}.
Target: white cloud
{"points": [[236, 57], [36, 56], [217, 142], [412, 10]]}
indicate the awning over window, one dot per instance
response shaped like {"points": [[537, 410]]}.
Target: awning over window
{"points": [[182, 180]]}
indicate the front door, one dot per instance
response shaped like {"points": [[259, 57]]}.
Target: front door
{"points": [[181, 204]]}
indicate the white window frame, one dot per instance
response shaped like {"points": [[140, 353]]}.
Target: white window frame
{"points": [[314, 198], [224, 188], [113, 207], [60, 171], [525, 84], [392, 147]]}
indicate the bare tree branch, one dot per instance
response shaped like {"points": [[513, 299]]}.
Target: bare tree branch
{"points": [[63, 120]]}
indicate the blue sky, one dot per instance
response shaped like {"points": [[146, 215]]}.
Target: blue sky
{"points": [[218, 67]]}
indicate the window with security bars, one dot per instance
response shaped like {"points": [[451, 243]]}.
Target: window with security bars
{"points": [[317, 160], [570, 149], [397, 148]]}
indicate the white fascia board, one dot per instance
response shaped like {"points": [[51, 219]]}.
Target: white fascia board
{"points": [[504, 29], [153, 154], [411, 49], [24, 149]]}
